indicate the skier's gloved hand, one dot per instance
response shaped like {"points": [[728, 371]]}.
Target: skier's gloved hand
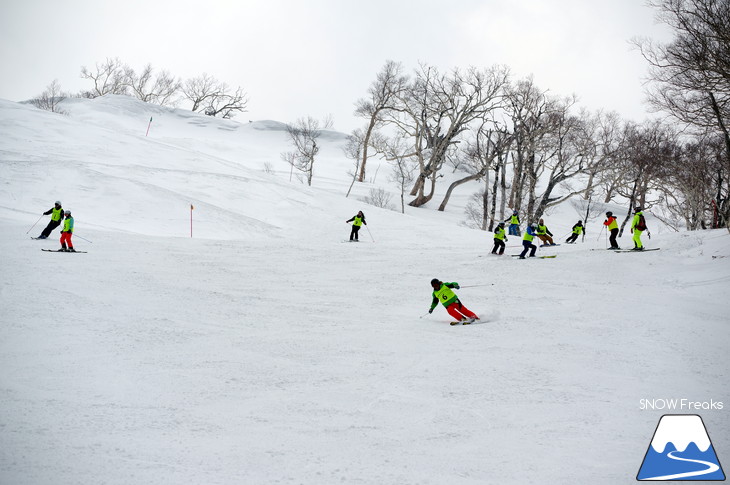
{"points": [[457, 286], [430, 310]]}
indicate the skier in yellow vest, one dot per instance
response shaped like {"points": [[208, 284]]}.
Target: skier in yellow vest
{"points": [[442, 293], [514, 224], [612, 227], [544, 234], [527, 245], [577, 231], [499, 239], [67, 232], [638, 225], [56, 213], [357, 222]]}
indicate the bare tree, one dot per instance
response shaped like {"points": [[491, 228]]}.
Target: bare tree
{"points": [[645, 158], [691, 74], [397, 151], [214, 97], [529, 109], [161, 89], [383, 95], [436, 109], [489, 143], [303, 134], [108, 77], [352, 150], [686, 193], [50, 98]]}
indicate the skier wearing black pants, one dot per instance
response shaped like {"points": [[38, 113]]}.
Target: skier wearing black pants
{"points": [[530, 234], [499, 239], [56, 213], [357, 222]]}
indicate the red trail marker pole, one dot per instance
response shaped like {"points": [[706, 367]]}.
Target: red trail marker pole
{"points": [[148, 127]]}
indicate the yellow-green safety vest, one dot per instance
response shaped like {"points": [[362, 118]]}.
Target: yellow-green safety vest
{"points": [[445, 295], [357, 221], [57, 214], [68, 225]]}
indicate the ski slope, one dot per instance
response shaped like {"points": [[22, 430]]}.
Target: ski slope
{"points": [[264, 350]]}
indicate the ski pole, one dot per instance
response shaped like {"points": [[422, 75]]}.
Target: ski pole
{"points": [[475, 286], [80, 237], [424, 315], [599, 234], [371, 236], [36, 222]]}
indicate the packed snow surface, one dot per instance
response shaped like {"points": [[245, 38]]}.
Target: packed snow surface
{"points": [[263, 349]]}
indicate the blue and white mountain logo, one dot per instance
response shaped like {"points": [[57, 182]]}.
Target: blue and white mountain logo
{"points": [[681, 450]]}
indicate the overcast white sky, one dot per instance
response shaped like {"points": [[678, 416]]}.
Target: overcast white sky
{"points": [[317, 57]]}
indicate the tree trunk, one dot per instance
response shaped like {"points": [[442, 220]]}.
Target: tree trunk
{"points": [[454, 185], [493, 210], [365, 144]]}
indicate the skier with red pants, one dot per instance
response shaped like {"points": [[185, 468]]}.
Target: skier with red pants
{"points": [[442, 293], [68, 229]]}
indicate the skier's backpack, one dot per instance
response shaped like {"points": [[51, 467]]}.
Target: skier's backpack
{"points": [[641, 225]]}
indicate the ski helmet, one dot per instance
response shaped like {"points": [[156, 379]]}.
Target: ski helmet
{"points": [[435, 282], [68, 213], [58, 202], [609, 214], [637, 209]]}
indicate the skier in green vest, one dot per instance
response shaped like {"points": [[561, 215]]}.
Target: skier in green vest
{"points": [[357, 222], [442, 293], [527, 245], [67, 232], [499, 239], [514, 224], [56, 213], [638, 226], [544, 234], [577, 231]]}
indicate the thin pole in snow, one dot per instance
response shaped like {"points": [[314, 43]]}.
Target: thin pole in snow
{"points": [[148, 127], [36, 222], [191, 220], [371, 236]]}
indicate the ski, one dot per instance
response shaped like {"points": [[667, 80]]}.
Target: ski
{"points": [[634, 251], [537, 257], [548, 245], [57, 251], [38, 238], [463, 322]]}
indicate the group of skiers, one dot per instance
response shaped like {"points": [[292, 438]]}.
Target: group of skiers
{"points": [[638, 226], [58, 217], [443, 292]]}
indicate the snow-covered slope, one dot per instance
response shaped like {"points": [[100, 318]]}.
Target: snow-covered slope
{"points": [[264, 350]]}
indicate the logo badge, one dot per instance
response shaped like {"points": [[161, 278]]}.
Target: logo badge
{"points": [[680, 450]]}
